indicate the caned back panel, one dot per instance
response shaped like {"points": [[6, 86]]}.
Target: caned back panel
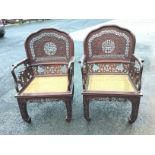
{"points": [[109, 42], [48, 45]]}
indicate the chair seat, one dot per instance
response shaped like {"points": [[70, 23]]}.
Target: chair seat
{"points": [[53, 84], [118, 83]]}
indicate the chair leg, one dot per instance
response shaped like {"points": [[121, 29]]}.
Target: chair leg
{"points": [[135, 108], [73, 93], [68, 104], [86, 109], [23, 111]]}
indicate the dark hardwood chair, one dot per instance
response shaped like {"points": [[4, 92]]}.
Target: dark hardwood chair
{"points": [[110, 70], [47, 72]]}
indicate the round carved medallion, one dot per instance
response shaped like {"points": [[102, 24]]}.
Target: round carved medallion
{"points": [[50, 48], [108, 46]]}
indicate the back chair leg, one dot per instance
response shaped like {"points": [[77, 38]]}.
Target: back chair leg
{"points": [[23, 111], [135, 108], [86, 108], [68, 104]]}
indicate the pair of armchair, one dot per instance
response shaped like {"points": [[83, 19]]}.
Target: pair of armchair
{"points": [[110, 70]]}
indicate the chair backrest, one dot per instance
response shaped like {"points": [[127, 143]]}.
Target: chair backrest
{"points": [[49, 45], [109, 42]]}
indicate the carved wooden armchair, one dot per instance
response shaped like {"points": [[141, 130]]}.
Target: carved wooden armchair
{"points": [[110, 70], [47, 72]]}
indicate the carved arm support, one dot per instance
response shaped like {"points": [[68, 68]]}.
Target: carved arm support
{"points": [[136, 70], [70, 71], [83, 71], [22, 74]]}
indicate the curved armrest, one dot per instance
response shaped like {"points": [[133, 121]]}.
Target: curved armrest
{"points": [[70, 71], [83, 70], [71, 62], [139, 60], [82, 61], [23, 75], [24, 61], [136, 71]]}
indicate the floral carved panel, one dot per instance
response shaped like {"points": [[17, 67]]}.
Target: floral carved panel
{"points": [[108, 68], [50, 69]]}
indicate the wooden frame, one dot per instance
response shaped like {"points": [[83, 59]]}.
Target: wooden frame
{"points": [[108, 48], [50, 53]]}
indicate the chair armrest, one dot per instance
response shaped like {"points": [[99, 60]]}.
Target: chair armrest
{"points": [[136, 70], [83, 71], [21, 76], [70, 71], [139, 60], [19, 63], [82, 60], [72, 60]]}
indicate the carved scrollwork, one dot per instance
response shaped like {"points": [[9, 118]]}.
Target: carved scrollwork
{"points": [[109, 99], [49, 47], [135, 73], [41, 100], [50, 69], [24, 77], [108, 68], [23, 74], [108, 48]]}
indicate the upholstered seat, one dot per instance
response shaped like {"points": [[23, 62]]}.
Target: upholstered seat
{"points": [[119, 83], [50, 84]]}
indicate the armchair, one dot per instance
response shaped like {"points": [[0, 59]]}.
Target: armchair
{"points": [[48, 71], [110, 70]]}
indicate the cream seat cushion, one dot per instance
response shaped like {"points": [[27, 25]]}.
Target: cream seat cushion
{"points": [[53, 84], [120, 83]]}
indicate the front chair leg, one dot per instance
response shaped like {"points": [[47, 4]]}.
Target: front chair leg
{"points": [[135, 108], [73, 93], [23, 111], [86, 109], [68, 104]]}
